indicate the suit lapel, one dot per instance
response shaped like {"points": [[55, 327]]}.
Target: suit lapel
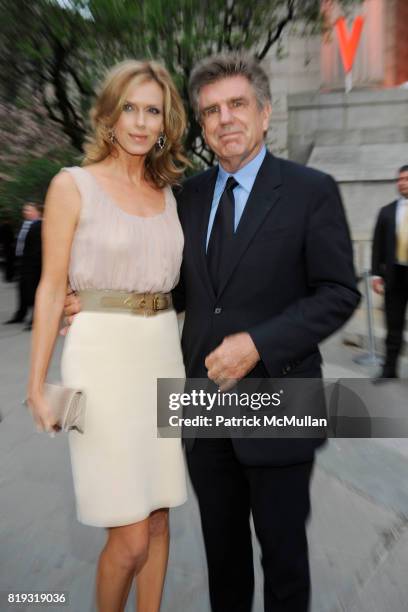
{"points": [[391, 229], [204, 195], [264, 195], [393, 215]]}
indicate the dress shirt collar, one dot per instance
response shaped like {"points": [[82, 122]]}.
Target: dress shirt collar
{"points": [[246, 175]]}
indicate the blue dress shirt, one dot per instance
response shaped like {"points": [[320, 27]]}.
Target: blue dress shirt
{"points": [[245, 178]]}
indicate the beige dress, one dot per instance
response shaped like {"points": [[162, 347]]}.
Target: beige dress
{"points": [[121, 470]]}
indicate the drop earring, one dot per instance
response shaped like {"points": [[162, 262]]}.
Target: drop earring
{"points": [[161, 141], [112, 138]]}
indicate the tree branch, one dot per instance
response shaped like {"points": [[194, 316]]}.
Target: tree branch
{"points": [[247, 23], [229, 14], [50, 110], [274, 36], [85, 91], [179, 54], [71, 122], [224, 27]]}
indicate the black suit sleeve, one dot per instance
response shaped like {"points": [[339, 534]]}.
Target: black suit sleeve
{"points": [[378, 256], [332, 293], [178, 293]]}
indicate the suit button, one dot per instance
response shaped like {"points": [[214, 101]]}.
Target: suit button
{"points": [[217, 310]]}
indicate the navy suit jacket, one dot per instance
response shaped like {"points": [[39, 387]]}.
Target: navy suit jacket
{"points": [[288, 281]]}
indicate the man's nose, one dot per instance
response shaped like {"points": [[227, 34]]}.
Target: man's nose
{"points": [[226, 115]]}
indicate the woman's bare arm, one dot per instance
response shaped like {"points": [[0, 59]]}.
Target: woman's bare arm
{"points": [[62, 209]]}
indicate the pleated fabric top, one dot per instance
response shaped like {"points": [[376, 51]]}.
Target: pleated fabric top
{"points": [[113, 249]]}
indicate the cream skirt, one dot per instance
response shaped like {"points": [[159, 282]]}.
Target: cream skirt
{"points": [[121, 470]]}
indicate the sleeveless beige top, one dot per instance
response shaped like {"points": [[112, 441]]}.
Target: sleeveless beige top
{"points": [[113, 249]]}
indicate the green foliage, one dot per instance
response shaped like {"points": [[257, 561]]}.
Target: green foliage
{"points": [[61, 49], [29, 180]]}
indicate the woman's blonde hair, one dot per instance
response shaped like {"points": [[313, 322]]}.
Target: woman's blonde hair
{"points": [[163, 166]]}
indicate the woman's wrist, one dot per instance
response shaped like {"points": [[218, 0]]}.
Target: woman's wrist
{"points": [[34, 391]]}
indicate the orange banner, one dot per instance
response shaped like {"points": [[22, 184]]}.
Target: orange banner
{"points": [[348, 43]]}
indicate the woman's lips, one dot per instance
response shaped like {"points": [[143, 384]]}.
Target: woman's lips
{"points": [[139, 137]]}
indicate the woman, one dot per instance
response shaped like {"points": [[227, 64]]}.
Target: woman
{"points": [[112, 228]]}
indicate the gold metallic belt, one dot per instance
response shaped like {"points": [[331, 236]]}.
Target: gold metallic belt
{"points": [[122, 301]]}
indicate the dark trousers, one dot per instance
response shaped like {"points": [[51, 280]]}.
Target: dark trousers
{"points": [[9, 266], [23, 297], [396, 299], [278, 498]]}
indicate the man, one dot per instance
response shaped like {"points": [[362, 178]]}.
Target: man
{"points": [[267, 274], [390, 269], [28, 254], [7, 242], [257, 303]]}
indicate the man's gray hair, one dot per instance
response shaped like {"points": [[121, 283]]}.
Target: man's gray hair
{"points": [[216, 67]]}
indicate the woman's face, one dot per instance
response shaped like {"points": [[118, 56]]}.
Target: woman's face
{"points": [[141, 119]]}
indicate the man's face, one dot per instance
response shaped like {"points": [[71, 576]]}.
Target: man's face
{"points": [[402, 183], [232, 122], [30, 212]]}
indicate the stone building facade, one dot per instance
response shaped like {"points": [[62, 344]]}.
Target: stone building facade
{"points": [[361, 138]]}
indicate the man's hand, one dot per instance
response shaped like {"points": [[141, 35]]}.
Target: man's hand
{"points": [[232, 360], [72, 306], [377, 284]]}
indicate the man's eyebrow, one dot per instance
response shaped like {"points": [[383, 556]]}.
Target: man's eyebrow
{"points": [[228, 101]]}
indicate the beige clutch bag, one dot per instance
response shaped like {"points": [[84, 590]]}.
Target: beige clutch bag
{"points": [[67, 405]]}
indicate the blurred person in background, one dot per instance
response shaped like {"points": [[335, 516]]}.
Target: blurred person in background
{"points": [[390, 270], [7, 242], [28, 260]]}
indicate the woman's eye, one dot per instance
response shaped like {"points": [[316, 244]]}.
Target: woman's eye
{"points": [[154, 110], [127, 107]]}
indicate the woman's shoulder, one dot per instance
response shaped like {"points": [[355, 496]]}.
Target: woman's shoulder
{"points": [[73, 178], [65, 178], [65, 187]]}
